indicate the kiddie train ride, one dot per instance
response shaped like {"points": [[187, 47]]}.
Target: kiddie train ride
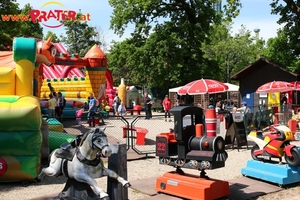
{"points": [[188, 147], [274, 142]]}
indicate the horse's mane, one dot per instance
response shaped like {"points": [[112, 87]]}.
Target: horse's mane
{"points": [[84, 137], [92, 131]]}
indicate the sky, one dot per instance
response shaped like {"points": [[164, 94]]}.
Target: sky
{"points": [[254, 14]]}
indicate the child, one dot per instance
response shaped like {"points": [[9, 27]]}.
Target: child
{"points": [[51, 88], [122, 109], [78, 116], [74, 104]]}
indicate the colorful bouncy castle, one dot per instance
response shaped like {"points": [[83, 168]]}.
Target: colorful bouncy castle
{"points": [[20, 114], [65, 76]]}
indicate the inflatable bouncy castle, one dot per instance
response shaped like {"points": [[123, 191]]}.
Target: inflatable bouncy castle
{"points": [[20, 113], [66, 77], [20, 108]]}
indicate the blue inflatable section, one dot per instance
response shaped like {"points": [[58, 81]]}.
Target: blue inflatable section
{"points": [[282, 174]]}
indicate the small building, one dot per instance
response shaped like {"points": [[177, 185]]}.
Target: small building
{"points": [[258, 73]]}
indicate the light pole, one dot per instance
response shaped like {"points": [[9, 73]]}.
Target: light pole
{"points": [[228, 76]]}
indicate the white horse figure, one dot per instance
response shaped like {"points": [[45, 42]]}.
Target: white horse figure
{"points": [[86, 164]]}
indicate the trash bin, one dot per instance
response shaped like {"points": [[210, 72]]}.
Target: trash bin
{"points": [[141, 135], [292, 125], [97, 120]]}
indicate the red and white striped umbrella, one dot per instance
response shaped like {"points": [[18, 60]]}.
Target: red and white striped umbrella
{"points": [[296, 85], [275, 86], [203, 86]]}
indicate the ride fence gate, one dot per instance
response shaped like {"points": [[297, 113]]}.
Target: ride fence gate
{"points": [[134, 130]]}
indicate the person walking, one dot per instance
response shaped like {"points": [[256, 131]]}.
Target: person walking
{"points": [[79, 114], [122, 109], [60, 101], [51, 88], [91, 111], [116, 104], [57, 108], [283, 102], [167, 106], [51, 106], [148, 105]]}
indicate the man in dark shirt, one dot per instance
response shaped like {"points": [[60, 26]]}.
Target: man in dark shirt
{"points": [[148, 104], [283, 102]]}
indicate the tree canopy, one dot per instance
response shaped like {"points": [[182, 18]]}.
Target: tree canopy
{"points": [[165, 48], [290, 18], [280, 50], [54, 37], [231, 52], [10, 28], [79, 37]]}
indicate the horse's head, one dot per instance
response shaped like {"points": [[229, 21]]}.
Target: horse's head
{"points": [[99, 141], [46, 52]]}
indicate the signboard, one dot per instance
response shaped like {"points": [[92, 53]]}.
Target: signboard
{"points": [[236, 130], [240, 129]]}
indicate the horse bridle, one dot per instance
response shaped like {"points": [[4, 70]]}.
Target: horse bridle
{"points": [[95, 137]]}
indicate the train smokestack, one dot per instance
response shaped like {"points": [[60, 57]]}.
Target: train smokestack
{"points": [[211, 122], [199, 130]]}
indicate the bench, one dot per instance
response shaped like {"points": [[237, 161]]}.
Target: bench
{"points": [[140, 134], [138, 112]]}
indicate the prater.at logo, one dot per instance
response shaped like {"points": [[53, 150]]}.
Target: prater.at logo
{"points": [[47, 17], [57, 14]]}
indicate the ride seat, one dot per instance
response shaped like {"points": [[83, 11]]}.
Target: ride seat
{"points": [[281, 137]]}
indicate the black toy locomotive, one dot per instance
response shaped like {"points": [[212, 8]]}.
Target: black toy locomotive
{"points": [[184, 147]]}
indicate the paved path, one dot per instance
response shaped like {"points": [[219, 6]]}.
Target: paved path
{"points": [[240, 188]]}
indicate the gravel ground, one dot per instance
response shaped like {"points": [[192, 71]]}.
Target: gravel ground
{"points": [[139, 169]]}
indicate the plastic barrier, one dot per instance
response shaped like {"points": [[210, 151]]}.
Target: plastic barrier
{"points": [[58, 138], [55, 125]]}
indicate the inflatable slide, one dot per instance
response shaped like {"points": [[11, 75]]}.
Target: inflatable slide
{"points": [[20, 113]]}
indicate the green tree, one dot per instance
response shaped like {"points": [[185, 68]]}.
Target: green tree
{"points": [[9, 29], [291, 7], [118, 61], [80, 37], [290, 18], [165, 53], [280, 50], [54, 37], [29, 28], [231, 53]]}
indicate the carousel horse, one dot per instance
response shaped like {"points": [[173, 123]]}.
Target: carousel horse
{"points": [[82, 161]]}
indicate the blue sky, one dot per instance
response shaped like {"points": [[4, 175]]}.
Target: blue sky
{"points": [[254, 14]]}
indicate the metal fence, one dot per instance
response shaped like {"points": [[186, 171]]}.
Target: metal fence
{"points": [[262, 116], [139, 133], [135, 131]]}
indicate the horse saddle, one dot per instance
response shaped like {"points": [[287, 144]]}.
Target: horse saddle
{"points": [[66, 151]]}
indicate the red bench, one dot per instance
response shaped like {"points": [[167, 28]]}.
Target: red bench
{"points": [[138, 112], [140, 134]]}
